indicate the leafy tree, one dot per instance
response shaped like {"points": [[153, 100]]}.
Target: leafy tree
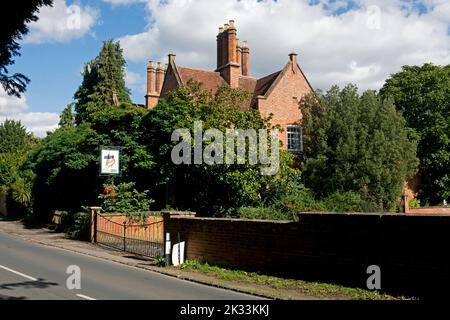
{"points": [[103, 82], [67, 162], [356, 143], [15, 145], [14, 136], [65, 168], [422, 94], [13, 26], [208, 189], [67, 118]]}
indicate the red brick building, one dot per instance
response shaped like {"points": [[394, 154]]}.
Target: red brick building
{"points": [[278, 93]]}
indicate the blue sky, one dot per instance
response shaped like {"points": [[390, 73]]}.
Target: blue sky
{"points": [[54, 68], [338, 42]]}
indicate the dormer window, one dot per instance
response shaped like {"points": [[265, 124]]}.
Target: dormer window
{"points": [[294, 139]]}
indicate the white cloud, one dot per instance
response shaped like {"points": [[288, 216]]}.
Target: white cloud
{"points": [[62, 23], [37, 122], [132, 78], [135, 81], [16, 108], [11, 105], [122, 2], [363, 45]]}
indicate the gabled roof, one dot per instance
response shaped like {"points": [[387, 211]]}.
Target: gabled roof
{"points": [[263, 84], [274, 78], [211, 80]]}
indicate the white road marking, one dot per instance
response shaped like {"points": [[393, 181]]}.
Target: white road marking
{"points": [[85, 297], [18, 273]]}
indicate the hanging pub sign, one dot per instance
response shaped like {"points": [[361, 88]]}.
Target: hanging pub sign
{"points": [[109, 161]]}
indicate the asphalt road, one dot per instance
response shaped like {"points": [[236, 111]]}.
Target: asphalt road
{"points": [[34, 271]]}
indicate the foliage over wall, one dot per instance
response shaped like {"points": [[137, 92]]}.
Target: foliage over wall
{"points": [[356, 143]]}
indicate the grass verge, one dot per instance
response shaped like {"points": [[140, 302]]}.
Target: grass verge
{"points": [[286, 288]]}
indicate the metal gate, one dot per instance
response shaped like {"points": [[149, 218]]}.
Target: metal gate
{"points": [[145, 239]]}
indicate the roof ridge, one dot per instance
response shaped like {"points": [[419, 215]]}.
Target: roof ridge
{"points": [[198, 69]]}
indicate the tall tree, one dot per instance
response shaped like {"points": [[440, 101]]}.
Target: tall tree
{"points": [[13, 136], [422, 94], [356, 143], [66, 118], [13, 26], [66, 162], [103, 82], [15, 145]]}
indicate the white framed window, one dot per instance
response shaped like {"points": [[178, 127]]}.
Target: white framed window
{"points": [[294, 138]]}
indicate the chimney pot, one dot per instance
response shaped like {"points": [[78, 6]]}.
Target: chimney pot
{"points": [[172, 57], [293, 57], [231, 24], [226, 26]]}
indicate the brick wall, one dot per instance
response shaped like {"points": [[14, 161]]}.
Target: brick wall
{"points": [[412, 251]]}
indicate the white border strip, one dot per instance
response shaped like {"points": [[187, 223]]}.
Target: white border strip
{"points": [[18, 273], [85, 297]]}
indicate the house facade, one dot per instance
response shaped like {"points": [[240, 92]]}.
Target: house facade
{"points": [[277, 94]]}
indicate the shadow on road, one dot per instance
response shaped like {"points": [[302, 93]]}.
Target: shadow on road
{"points": [[3, 297], [39, 284]]}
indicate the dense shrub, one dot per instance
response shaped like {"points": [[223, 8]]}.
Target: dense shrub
{"points": [[301, 200], [344, 202], [124, 198], [290, 205], [264, 213], [356, 143], [80, 229]]}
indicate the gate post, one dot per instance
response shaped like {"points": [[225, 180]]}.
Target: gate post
{"points": [[124, 236], [93, 213]]}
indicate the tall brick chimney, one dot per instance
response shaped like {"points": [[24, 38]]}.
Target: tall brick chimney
{"points": [[238, 53], [219, 47], [150, 78], [245, 59], [151, 98], [159, 78], [227, 63]]}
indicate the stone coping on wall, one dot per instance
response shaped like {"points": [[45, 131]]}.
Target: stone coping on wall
{"points": [[230, 219], [380, 214], [179, 213], [151, 213]]}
